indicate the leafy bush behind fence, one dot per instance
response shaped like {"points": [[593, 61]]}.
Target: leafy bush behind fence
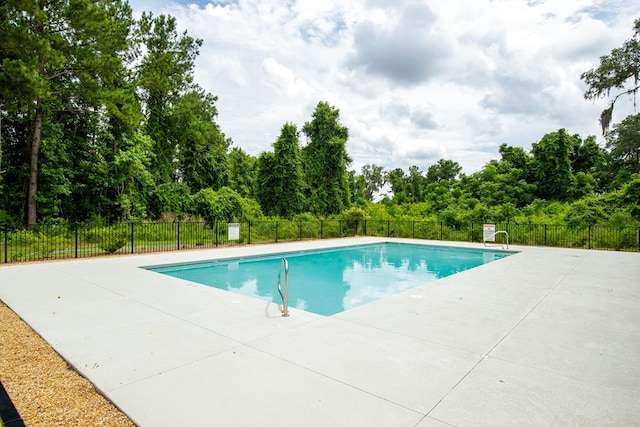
{"points": [[46, 242]]}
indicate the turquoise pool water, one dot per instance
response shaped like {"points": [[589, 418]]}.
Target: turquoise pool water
{"points": [[330, 281]]}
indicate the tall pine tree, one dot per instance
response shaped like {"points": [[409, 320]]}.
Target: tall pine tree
{"points": [[58, 56]]}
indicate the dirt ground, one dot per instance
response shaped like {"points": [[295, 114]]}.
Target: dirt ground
{"points": [[45, 390]]}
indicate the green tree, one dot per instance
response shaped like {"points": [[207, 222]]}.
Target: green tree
{"points": [[172, 198], [514, 157], [58, 54], [446, 170], [397, 180], [288, 178], [584, 212], [202, 147], [357, 187], [55, 170], [510, 180], [415, 184], [132, 178], [241, 169], [587, 156], [92, 159], [164, 74], [583, 186], [326, 159], [552, 165], [624, 142], [630, 195], [224, 205], [591, 166], [15, 131], [620, 70], [374, 179], [266, 183]]}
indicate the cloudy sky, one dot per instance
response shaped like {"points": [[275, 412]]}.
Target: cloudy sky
{"points": [[415, 80]]}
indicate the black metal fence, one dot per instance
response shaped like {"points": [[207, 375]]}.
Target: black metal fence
{"points": [[48, 242]]}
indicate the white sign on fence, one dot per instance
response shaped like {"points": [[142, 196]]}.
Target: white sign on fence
{"points": [[489, 233], [234, 231]]}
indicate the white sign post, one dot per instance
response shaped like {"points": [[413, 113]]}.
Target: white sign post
{"points": [[234, 231], [489, 233]]}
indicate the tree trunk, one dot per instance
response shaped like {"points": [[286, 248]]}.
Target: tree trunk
{"points": [[33, 169]]}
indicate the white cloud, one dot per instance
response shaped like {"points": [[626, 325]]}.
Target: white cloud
{"points": [[408, 52], [415, 81], [284, 80], [424, 118]]}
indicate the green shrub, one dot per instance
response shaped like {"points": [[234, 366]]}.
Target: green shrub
{"points": [[172, 197], [353, 218], [52, 245], [583, 213], [26, 244], [23, 238], [108, 239], [305, 217]]}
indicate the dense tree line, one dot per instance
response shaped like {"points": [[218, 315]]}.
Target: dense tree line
{"points": [[101, 120], [562, 179]]}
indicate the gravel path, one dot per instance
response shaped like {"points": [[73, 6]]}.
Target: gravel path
{"points": [[45, 390]]}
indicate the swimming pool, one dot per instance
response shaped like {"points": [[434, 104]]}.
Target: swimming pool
{"points": [[330, 281]]}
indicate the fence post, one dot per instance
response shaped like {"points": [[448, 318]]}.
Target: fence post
{"points": [[299, 230], [132, 237], [589, 237], [6, 241], [413, 229], [277, 225], [545, 235], [216, 231], [249, 236], [440, 230], [388, 226], [76, 238], [638, 242], [471, 231], [339, 228], [178, 235], [322, 229]]}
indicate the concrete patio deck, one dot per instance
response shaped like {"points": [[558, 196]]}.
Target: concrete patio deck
{"points": [[544, 337]]}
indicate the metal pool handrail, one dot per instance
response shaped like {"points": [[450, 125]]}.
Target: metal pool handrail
{"points": [[501, 245], [284, 295]]}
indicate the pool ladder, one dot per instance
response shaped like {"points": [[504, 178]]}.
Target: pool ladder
{"points": [[284, 294]]}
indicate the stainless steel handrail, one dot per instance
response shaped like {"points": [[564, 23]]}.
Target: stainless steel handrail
{"points": [[501, 245], [284, 295]]}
